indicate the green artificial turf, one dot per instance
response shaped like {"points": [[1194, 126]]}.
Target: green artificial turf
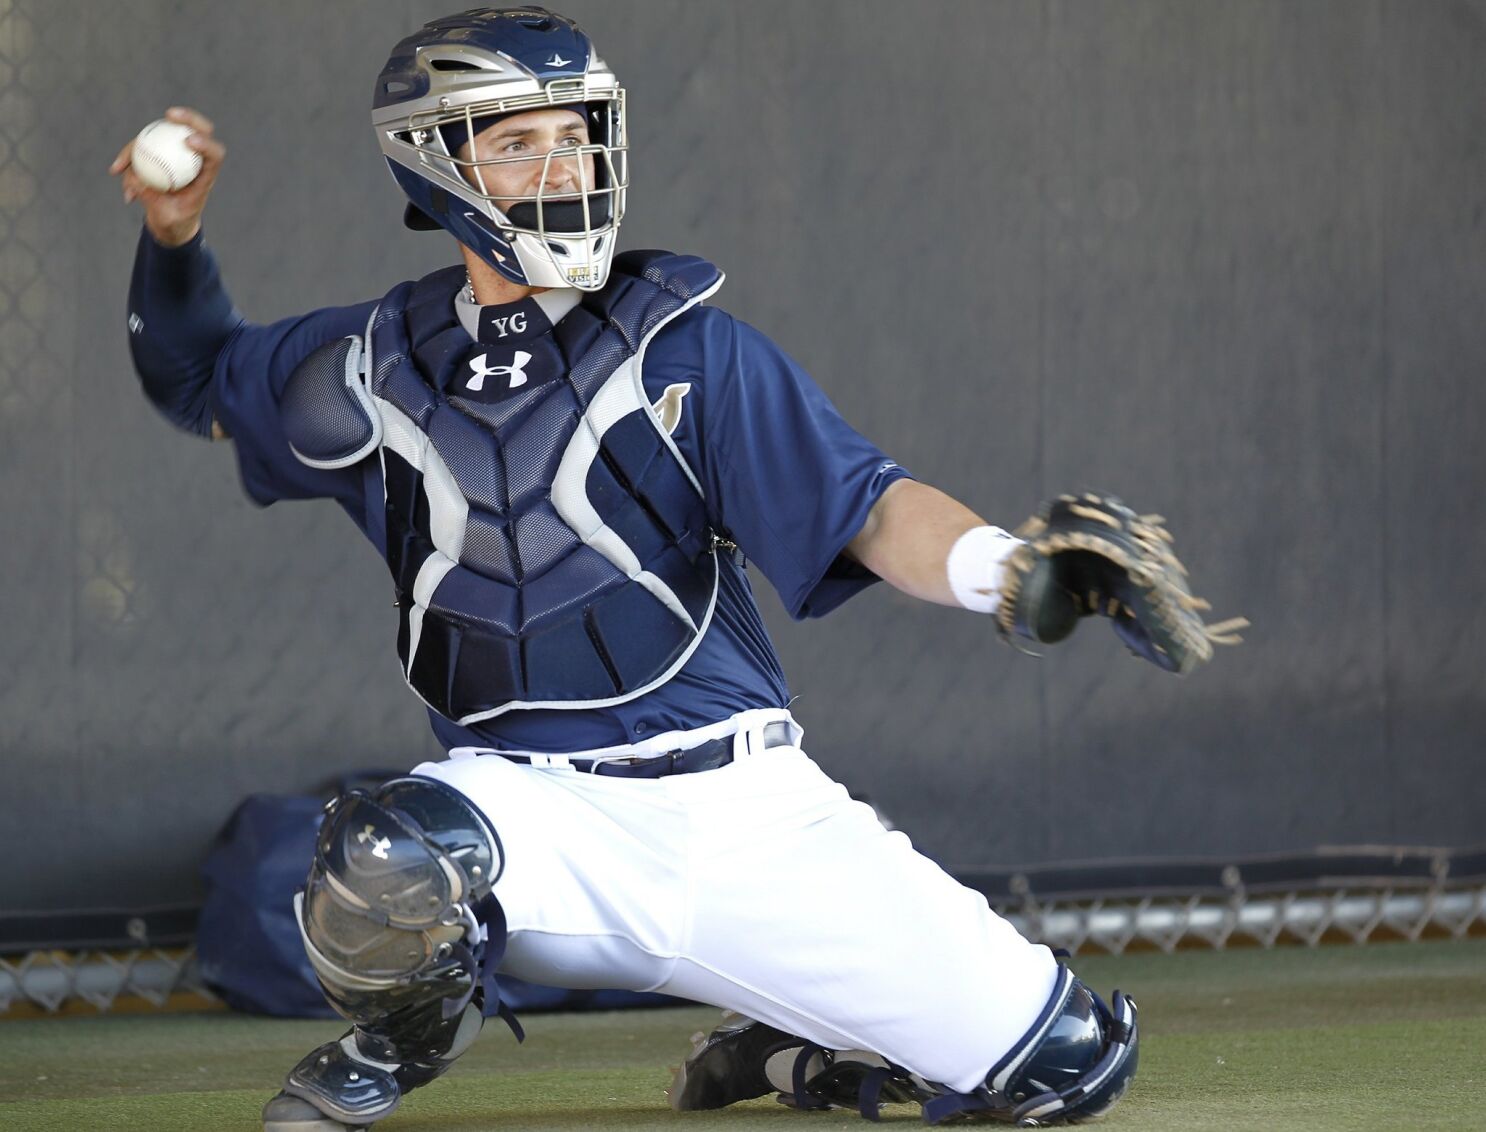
{"points": [[1383, 1036]]}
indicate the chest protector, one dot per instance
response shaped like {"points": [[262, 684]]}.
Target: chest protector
{"points": [[549, 548]]}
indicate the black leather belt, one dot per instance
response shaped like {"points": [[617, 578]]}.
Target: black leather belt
{"points": [[708, 756]]}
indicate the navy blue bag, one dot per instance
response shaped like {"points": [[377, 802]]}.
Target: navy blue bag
{"points": [[247, 943]]}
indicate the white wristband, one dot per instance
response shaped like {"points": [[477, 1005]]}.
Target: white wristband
{"points": [[974, 567]]}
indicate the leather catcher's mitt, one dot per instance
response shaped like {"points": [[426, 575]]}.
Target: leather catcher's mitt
{"points": [[1090, 554]]}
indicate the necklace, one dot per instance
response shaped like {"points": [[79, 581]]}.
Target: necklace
{"points": [[469, 289]]}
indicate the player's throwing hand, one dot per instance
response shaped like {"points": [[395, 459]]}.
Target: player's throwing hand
{"points": [[173, 218]]}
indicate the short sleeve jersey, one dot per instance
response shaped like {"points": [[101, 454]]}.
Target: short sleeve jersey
{"points": [[785, 477]]}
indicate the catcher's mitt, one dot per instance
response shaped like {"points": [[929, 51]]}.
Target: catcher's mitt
{"points": [[1090, 554]]}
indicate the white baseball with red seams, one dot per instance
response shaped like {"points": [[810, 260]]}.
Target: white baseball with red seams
{"points": [[162, 159]]}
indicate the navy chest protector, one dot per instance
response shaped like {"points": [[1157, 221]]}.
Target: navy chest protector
{"points": [[550, 548]]}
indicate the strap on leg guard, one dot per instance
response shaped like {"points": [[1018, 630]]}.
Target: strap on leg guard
{"points": [[801, 1095], [822, 1078]]}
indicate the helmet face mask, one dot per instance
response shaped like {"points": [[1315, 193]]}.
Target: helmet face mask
{"points": [[454, 78]]}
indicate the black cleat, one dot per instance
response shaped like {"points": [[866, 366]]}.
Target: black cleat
{"points": [[727, 1065]]}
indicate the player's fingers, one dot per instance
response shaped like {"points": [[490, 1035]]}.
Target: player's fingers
{"points": [[121, 162], [212, 151], [193, 118], [134, 188]]}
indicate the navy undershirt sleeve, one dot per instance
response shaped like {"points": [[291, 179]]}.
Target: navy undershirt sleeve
{"points": [[786, 477], [179, 319], [199, 360], [249, 381]]}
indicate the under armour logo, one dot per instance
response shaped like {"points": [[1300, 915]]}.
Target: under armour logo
{"points": [[379, 845], [516, 370]]}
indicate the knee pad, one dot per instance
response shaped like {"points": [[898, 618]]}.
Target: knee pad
{"points": [[1072, 1065], [1075, 1062], [403, 931], [397, 911]]}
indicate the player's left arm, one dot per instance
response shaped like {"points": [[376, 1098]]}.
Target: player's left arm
{"points": [[824, 513], [1084, 555], [909, 535], [818, 508]]}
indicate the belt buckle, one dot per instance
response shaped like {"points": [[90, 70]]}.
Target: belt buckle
{"points": [[636, 764]]}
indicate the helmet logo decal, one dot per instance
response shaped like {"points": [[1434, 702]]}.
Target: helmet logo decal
{"points": [[557, 61], [516, 371]]}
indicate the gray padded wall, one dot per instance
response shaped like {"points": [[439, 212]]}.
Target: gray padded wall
{"points": [[1226, 258]]}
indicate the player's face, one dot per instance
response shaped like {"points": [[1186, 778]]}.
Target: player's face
{"points": [[517, 148]]}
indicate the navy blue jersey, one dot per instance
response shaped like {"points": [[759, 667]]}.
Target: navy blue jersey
{"points": [[784, 475]]}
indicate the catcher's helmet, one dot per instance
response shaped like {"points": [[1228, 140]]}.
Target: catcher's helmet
{"points": [[454, 77]]}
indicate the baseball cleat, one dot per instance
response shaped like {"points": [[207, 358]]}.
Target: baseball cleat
{"points": [[284, 1113], [728, 1064]]}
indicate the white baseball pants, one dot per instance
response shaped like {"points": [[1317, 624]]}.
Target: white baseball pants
{"points": [[760, 887]]}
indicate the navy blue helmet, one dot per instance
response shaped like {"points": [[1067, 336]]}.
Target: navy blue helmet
{"points": [[457, 76]]}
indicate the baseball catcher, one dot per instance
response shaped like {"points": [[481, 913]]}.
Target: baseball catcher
{"points": [[573, 464]]}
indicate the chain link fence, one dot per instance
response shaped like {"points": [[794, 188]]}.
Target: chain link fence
{"points": [[55, 982], [1358, 896]]}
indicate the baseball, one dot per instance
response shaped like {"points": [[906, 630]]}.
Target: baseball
{"points": [[161, 157]]}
